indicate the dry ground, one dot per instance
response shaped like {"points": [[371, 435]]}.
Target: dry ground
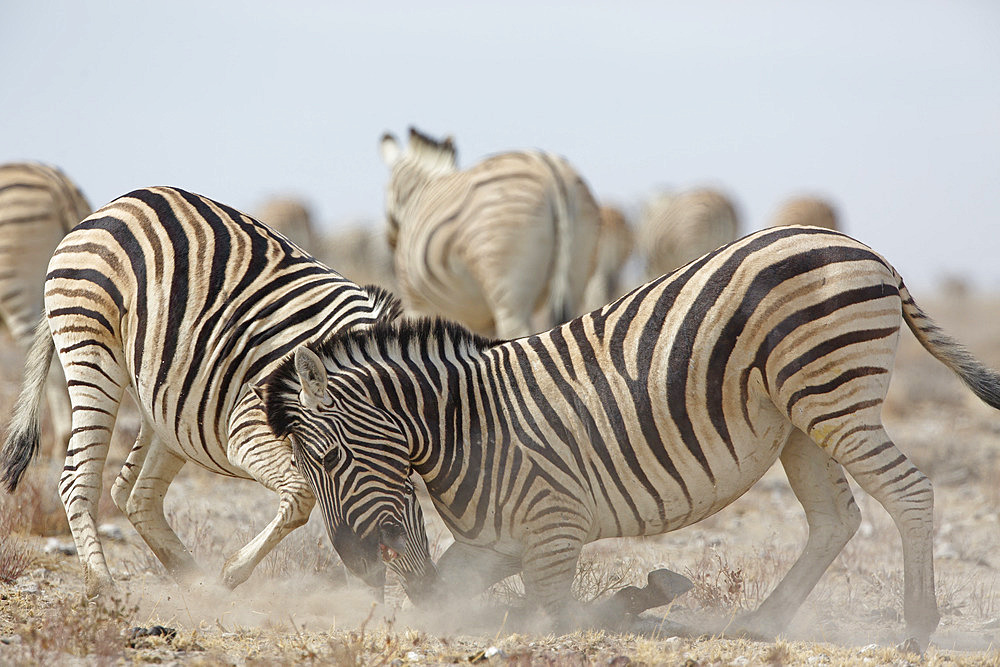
{"points": [[300, 606]]}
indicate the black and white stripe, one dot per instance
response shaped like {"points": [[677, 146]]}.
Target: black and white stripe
{"points": [[490, 245], [647, 415], [39, 204], [186, 304]]}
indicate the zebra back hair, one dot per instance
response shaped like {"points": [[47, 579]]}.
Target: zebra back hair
{"points": [[24, 432], [982, 380]]}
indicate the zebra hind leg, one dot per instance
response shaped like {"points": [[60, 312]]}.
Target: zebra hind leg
{"points": [[887, 475], [139, 491], [833, 517], [94, 413]]}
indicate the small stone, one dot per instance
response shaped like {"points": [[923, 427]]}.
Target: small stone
{"points": [[740, 661], [54, 545], [111, 532], [492, 651], [413, 656], [27, 585], [10, 639]]}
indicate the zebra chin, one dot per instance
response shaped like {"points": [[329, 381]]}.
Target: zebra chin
{"points": [[363, 557]]}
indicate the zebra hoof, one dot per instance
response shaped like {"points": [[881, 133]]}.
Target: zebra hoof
{"points": [[662, 587]]}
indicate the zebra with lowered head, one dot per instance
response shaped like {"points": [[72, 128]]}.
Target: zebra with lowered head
{"points": [[490, 245], [187, 303], [644, 416], [39, 204]]}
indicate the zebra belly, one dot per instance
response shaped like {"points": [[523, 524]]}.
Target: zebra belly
{"points": [[662, 504]]}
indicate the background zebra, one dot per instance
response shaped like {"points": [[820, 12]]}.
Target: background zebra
{"points": [[185, 303], [38, 205], [614, 247], [812, 211], [490, 245], [290, 217], [646, 416], [675, 228]]}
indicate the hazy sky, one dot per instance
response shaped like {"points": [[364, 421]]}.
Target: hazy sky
{"points": [[892, 109]]}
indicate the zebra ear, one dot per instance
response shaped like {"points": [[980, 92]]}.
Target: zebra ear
{"points": [[312, 377], [389, 148]]}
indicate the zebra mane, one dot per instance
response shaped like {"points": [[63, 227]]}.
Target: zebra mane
{"points": [[431, 153], [385, 340], [387, 306]]}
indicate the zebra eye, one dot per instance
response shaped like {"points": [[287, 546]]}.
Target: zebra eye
{"points": [[331, 458]]}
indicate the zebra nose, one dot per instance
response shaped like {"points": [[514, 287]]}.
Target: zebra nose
{"points": [[392, 541]]}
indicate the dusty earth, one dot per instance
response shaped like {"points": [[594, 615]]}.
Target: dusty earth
{"points": [[300, 606]]}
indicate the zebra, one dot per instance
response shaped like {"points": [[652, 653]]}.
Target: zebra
{"points": [[812, 211], [644, 416], [490, 245], [38, 205], [360, 252], [290, 217], [186, 303], [615, 241], [677, 228]]}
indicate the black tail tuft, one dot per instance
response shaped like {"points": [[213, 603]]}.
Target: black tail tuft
{"points": [[17, 453]]}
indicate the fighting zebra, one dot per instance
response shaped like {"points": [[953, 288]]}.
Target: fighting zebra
{"points": [[812, 211], [490, 245], [38, 205], [186, 303], [614, 247], [676, 228], [645, 416]]}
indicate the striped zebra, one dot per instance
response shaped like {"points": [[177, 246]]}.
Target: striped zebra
{"points": [[290, 217], [490, 245], [38, 205], [812, 211], [677, 228], [614, 247], [645, 416], [186, 303]]}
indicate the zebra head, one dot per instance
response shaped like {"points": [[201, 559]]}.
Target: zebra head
{"points": [[422, 159], [357, 464]]}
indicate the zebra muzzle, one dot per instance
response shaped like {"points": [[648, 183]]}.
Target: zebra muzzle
{"points": [[391, 542]]}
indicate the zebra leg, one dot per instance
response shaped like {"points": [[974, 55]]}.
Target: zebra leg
{"points": [[95, 402], [468, 570], [144, 507], [833, 517], [548, 573], [139, 491], [60, 411], [253, 447], [887, 475]]}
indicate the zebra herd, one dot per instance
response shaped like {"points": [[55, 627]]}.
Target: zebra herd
{"points": [[537, 427]]}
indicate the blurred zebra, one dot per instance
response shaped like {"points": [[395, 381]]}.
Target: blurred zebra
{"points": [[290, 217], [806, 211], [677, 228], [645, 416], [186, 303], [615, 241], [38, 205], [490, 245], [361, 253]]}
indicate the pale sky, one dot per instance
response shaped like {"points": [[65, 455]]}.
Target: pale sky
{"points": [[891, 109]]}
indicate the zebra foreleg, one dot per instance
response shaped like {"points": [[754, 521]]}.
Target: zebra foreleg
{"points": [[253, 447], [467, 570], [833, 517]]}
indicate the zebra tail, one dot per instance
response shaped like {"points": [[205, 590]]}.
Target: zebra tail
{"points": [[983, 381], [561, 303], [24, 432]]}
